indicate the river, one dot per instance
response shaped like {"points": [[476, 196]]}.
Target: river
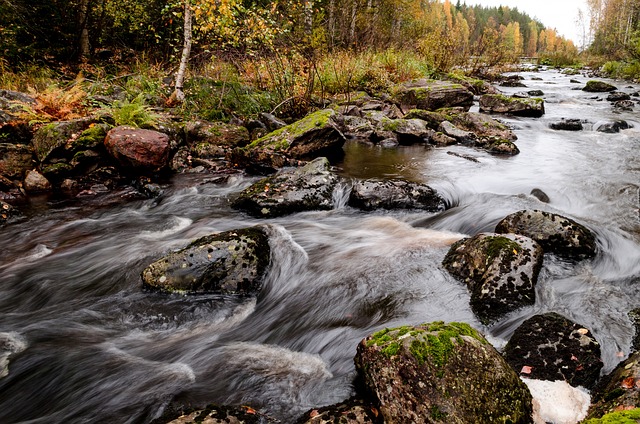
{"points": [[94, 347]]}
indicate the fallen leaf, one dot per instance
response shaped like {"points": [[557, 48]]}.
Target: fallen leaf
{"points": [[526, 369], [628, 383], [515, 252], [573, 358], [583, 331], [620, 354], [313, 413]]}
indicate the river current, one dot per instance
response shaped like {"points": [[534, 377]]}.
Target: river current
{"points": [[92, 346]]}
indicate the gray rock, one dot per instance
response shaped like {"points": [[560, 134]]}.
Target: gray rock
{"points": [[612, 127], [500, 271], [440, 373], [551, 347], [555, 233], [567, 125], [394, 194], [232, 262], [15, 160], [304, 189], [624, 105], [616, 96], [432, 95], [441, 139], [271, 122], [594, 86], [535, 93], [461, 136], [52, 137], [498, 103], [407, 131], [540, 195]]}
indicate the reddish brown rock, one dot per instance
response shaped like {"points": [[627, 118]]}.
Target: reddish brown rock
{"points": [[138, 148], [35, 181]]}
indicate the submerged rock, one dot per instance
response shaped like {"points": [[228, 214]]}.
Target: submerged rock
{"points": [[440, 373], [500, 271], [594, 86], [303, 189], [143, 150], [394, 194], [432, 95], [612, 127], [551, 347], [555, 233], [567, 125], [351, 411], [616, 96], [499, 103], [232, 262]]}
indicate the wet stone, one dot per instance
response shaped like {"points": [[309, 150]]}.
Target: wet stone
{"points": [[375, 194]]}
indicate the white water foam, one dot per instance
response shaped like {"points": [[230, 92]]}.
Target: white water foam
{"points": [[557, 402], [177, 224]]}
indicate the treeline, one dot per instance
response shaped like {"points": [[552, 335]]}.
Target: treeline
{"points": [[445, 34], [615, 27]]}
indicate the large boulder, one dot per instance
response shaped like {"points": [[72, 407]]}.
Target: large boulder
{"points": [[483, 126], [15, 160], [208, 139], [432, 95], [551, 347], [139, 149], [618, 390], [50, 139], [405, 131], [450, 130], [499, 103], [440, 373], [501, 272], [374, 194], [611, 127], [313, 136], [303, 189], [555, 233], [351, 411], [232, 262], [594, 86]]}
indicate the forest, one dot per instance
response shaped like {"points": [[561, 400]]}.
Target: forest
{"points": [[288, 51]]}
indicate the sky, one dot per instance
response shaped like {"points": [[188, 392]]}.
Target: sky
{"points": [[559, 14]]}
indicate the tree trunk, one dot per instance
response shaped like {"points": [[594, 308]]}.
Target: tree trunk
{"points": [[308, 18], [84, 48], [178, 94], [332, 23]]}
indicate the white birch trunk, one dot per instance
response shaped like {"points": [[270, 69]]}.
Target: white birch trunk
{"points": [[178, 94]]}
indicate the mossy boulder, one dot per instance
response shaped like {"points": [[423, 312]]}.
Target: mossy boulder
{"points": [[313, 136], [231, 262], [551, 347], [630, 416], [499, 103], [375, 194], [216, 133], [482, 125], [91, 138], [303, 189], [595, 86], [498, 146], [351, 411], [15, 160], [433, 95], [440, 373], [405, 131], [50, 140], [555, 233], [618, 390], [501, 272]]}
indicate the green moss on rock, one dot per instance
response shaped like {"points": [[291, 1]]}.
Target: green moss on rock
{"points": [[631, 416]]}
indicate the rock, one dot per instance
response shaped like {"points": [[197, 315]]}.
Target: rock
{"points": [[630, 416], [535, 93], [440, 139], [10, 344], [440, 373], [16, 96], [406, 131], [220, 414], [144, 150], [512, 83], [216, 133], [475, 85], [551, 347], [567, 125], [612, 127], [574, 81], [271, 122], [624, 105], [313, 136], [616, 96], [35, 182], [501, 272], [499, 103], [555, 233], [540, 195], [433, 119], [448, 129], [356, 127], [232, 262], [56, 171], [618, 390], [7, 213], [467, 157], [521, 95], [15, 160], [498, 146], [634, 316], [432, 95], [594, 86], [483, 126], [91, 138], [394, 194], [303, 189], [351, 411], [49, 141]]}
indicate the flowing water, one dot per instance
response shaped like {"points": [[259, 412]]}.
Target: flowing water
{"points": [[91, 346]]}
